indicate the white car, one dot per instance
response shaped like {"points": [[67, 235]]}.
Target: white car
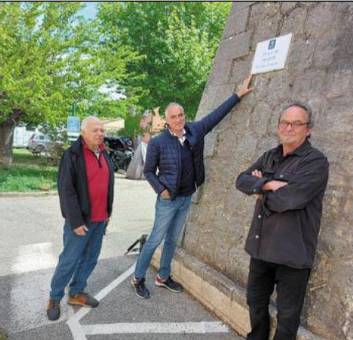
{"points": [[39, 143]]}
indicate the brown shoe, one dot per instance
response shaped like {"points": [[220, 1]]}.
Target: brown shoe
{"points": [[53, 310], [83, 299]]}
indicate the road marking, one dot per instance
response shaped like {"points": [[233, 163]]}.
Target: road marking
{"points": [[79, 331], [74, 321], [76, 329], [157, 327]]}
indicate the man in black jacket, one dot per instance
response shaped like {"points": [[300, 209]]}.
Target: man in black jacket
{"points": [[289, 182], [86, 190], [174, 168]]}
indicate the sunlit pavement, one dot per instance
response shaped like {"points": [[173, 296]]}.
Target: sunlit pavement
{"points": [[31, 236]]}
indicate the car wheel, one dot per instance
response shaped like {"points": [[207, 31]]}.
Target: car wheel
{"points": [[39, 149]]}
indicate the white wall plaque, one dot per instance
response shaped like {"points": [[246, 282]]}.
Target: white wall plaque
{"points": [[271, 54]]}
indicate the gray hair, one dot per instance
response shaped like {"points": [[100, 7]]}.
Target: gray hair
{"points": [[86, 120], [305, 108], [173, 104]]}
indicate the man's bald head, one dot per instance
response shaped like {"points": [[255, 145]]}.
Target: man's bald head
{"points": [[89, 120], [92, 131]]}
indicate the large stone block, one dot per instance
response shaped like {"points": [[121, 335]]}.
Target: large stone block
{"points": [[234, 47], [320, 19], [296, 15], [264, 22], [319, 72], [237, 22], [220, 72], [240, 5], [213, 97]]}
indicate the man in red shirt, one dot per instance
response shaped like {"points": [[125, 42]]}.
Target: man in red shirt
{"points": [[86, 190]]}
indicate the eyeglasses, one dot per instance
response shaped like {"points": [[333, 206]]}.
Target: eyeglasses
{"points": [[283, 124]]}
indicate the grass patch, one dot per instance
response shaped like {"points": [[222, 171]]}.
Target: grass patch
{"points": [[28, 173]]}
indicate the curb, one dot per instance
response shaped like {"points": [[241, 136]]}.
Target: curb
{"points": [[218, 293], [28, 193], [40, 193]]}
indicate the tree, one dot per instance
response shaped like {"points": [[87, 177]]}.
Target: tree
{"points": [[177, 43], [51, 58]]}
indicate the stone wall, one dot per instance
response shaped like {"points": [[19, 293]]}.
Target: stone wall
{"points": [[319, 71]]}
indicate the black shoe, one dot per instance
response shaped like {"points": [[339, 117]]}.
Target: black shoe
{"points": [[140, 288], [169, 283], [53, 310], [83, 299]]}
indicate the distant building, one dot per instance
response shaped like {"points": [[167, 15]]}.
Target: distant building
{"points": [[21, 136], [114, 125]]}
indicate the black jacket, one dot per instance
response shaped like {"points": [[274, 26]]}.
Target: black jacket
{"points": [[73, 187], [163, 152], [286, 222]]}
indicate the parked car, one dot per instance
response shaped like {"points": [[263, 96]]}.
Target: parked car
{"points": [[39, 143], [120, 151]]}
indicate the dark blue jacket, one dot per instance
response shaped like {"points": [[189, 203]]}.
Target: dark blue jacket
{"points": [[163, 152]]}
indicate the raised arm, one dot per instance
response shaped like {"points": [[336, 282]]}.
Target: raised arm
{"points": [[212, 119]]}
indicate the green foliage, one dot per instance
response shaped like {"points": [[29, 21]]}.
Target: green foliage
{"points": [[51, 58], [28, 173], [132, 127], [176, 42]]}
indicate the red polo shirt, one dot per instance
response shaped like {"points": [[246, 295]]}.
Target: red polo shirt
{"points": [[98, 181]]}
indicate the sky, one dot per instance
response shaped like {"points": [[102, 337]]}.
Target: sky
{"points": [[90, 10]]}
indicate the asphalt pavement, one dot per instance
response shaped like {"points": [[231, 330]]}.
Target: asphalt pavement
{"points": [[31, 240]]}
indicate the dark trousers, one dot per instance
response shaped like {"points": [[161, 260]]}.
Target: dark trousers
{"points": [[290, 286]]}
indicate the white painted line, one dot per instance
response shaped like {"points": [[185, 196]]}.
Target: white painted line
{"points": [[79, 332], [76, 329], [105, 291], [157, 327], [74, 321]]}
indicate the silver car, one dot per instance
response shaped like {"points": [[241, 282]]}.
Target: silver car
{"points": [[39, 143]]}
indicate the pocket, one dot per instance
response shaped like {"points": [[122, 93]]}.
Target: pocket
{"points": [[164, 199], [284, 176]]}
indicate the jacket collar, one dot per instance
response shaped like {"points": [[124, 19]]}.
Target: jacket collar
{"points": [[79, 144], [76, 146], [181, 139], [188, 134], [300, 151], [85, 146]]}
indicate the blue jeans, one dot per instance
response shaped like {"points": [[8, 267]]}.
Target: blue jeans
{"points": [[77, 260], [170, 217]]}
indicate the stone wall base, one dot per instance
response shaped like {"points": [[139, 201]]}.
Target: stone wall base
{"points": [[218, 293]]}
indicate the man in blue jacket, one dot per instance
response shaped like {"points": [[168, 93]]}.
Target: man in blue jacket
{"points": [[174, 167]]}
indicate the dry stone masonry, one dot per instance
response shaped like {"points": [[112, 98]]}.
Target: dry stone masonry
{"points": [[319, 71]]}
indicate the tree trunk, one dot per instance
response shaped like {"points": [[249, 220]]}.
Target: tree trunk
{"points": [[6, 140]]}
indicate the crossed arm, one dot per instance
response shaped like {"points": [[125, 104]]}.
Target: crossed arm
{"points": [[308, 181]]}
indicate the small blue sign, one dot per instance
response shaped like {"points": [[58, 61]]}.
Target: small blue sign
{"points": [[73, 124], [272, 44]]}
